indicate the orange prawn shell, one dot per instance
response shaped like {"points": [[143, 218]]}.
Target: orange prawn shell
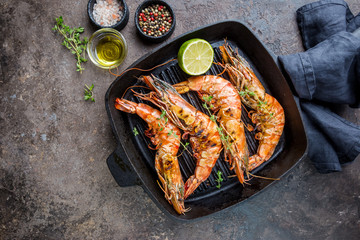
{"points": [[166, 137], [268, 113], [204, 137], [226, 101]]}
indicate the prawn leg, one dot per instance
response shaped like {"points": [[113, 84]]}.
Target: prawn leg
{"points": [[223, 97], [166, 162], [267, 112], [204, 138]]}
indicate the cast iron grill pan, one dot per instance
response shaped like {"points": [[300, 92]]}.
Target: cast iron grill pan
{"points": [[133, 162]]}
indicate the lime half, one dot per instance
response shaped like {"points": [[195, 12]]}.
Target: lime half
{"points": [[195, 56]]}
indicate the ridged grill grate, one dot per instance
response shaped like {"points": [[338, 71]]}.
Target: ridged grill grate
{"points": [[173, 74]]}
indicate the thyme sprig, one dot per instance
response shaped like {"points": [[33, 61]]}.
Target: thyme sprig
{"points": [[245, 92], [224, 138], [262, 105], [135, 131], [171, 132], [219, 179], [88, 93], [72, 41]]}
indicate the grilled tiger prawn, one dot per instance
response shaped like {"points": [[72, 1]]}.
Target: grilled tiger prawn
{"points": [[225, 100], [267, 113], [166, 162], [204, 137]]}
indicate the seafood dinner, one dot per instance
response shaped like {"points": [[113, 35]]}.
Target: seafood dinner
{"points": [[167, 146], [224, 99], [204, 137], [266, 113]]}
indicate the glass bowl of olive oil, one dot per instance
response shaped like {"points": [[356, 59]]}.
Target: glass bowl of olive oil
{"points": [[107, 48]]}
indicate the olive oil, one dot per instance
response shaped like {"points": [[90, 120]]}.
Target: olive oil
{"points": [[107, 48], [110, 51]]}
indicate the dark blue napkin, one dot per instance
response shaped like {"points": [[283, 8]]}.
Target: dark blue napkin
{"points": [[319, 20], [328, 72], [332, 140]]}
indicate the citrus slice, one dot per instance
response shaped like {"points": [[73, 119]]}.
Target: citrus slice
{"points": [[195, 56]]}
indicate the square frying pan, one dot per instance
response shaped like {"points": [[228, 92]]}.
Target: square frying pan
{"points": [[132, 162]]}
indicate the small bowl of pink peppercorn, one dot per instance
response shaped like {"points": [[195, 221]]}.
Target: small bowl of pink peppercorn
{"points": [[154, 20], [108, 13]]}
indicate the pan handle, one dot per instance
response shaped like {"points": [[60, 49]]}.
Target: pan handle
{"points": [[121, 169]]}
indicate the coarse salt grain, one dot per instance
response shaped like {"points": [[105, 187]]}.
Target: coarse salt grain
{"points": [[107, 12]]}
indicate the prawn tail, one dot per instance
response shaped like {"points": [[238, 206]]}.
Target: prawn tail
{"points": [[191, 184], [239, 172]]}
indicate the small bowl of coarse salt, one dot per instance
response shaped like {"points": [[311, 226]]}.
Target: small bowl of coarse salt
{"points": [[108, 13]]}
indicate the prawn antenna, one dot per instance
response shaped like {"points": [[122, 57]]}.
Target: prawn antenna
{"points": [[139, 69]]}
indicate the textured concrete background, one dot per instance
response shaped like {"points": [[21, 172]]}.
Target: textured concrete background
{"points": [[54, 183]]}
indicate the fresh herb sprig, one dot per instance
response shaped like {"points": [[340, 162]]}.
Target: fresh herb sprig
{"points": [[88, 92], [135, 131], [207, 105], [219, 179], [224, 138], [72, 41], [171, 132], [245, 92]]}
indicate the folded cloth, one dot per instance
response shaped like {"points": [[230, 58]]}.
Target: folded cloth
{"points": [[353, 24], [328, 72], [319, 20], [332, 140]]}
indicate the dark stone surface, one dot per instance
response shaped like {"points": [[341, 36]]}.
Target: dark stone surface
{"points": [[54, 183]]}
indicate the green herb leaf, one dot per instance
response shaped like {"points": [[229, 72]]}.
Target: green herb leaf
{"points": [[88, 93], [219, 179], [260, 103], [207, 98], [242, 93], [135, 131], [80, 30], [251, 94], [163, 113], [72, 41], [174, 134]]}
